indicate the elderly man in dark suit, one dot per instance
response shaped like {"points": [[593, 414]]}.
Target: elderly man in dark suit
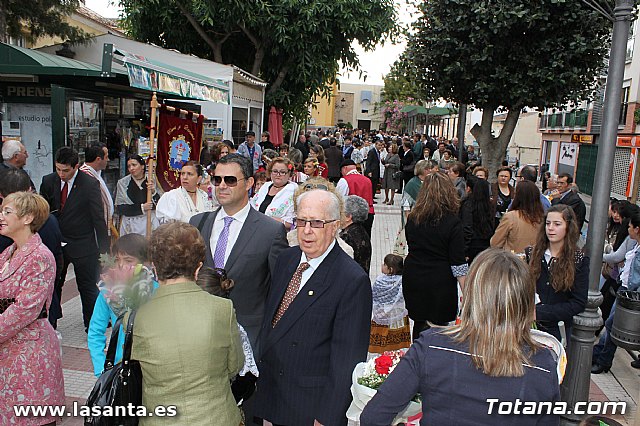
{"points": [[76, 201], [316, 323], [243, 241], [570, 198]]}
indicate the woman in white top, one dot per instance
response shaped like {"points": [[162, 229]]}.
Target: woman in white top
{"points": [[275, 198], [182, 203]]}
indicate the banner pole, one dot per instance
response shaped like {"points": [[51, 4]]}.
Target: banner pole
{"points": [[151, 169]]}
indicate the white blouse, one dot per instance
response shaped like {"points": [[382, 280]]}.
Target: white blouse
{"points": [[177, 205], [282, 204]]}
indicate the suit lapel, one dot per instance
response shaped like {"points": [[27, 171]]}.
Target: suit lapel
{"points": [[277, 292], [77, 186], [246, 233], [308, 295], [207, 229]]}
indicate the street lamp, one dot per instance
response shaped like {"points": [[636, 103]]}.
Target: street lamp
{"points": [[575, 387]]}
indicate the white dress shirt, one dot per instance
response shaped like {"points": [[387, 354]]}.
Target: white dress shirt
{"points": [[69, 184], [313, 264], [342, 187], [234, 229]]}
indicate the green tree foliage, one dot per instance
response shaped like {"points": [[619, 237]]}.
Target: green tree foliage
{"points": [[38, 18], [507, 54], [401, 82], [296, 46]]}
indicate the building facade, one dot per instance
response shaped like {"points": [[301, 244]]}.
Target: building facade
{"points": [[571, 136]]}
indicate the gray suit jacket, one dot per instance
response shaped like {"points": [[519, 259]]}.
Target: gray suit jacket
{"points": [[250, 265]]}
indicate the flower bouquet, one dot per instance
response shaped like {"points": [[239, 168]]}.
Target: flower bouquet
{"points": [[125, 288], [368, 377]]}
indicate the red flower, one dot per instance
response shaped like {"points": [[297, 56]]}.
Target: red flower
{"points": [[383, 363]]}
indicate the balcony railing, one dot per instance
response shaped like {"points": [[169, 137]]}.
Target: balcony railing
{"points": [[565, 119]]}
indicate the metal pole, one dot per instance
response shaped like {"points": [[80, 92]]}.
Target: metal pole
{"points": [[575, 387], [462, 124]]}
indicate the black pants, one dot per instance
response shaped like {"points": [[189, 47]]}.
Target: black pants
{"points": [[87, 270], [368, 224], [419, 327], [374, 184]]}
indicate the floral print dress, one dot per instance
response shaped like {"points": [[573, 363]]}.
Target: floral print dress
{"points": [[30, 364]]}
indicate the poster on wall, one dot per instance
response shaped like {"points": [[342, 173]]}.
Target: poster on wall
{"points": [[11, 131], [35, 129], [568, 154]]}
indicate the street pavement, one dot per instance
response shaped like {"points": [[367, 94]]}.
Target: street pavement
{"points": [[621, 384]]}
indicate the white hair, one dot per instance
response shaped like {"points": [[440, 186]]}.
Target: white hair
{"points": [[332, 207], [10, 148]]}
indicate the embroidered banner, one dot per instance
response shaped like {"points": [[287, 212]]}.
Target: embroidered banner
{"points": [[179, 140]]}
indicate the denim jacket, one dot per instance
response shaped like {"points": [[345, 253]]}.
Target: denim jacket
{"points": [[634, 274]]}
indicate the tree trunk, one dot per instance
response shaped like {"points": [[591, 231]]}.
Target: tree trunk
{"points": [[494, 149], [216, 47], [280, 78]]}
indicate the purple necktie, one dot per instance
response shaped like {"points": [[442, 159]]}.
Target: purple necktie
{"points": [[221, 245]]}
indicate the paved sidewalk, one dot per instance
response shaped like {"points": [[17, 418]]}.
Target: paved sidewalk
{"points": [[621, 384]]}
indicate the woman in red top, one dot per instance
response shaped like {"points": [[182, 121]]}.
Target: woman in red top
{"points": [[317, 152]]}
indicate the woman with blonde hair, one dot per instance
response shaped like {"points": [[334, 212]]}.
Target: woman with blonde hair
{"points": [[560, 271], [436, 250], [491, 353], [317, 152], [30, 364]]}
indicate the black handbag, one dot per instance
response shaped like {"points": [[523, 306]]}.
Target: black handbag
{"points": [[118, 386]]}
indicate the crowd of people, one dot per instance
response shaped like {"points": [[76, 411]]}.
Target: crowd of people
{"points": [[259, 302]]}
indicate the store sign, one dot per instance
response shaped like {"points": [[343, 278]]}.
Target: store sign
{"points": [[25, 93], [147, 79], [627, 141], [579, 138]]}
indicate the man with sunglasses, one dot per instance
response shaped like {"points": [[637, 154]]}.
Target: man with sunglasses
{"points": [[316, 325], [243, 241]]}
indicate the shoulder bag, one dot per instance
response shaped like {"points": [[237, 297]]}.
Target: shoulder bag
{"points": [[119, 385]]}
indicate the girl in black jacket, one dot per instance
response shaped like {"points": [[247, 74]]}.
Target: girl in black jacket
{"points": [[561, 271]]}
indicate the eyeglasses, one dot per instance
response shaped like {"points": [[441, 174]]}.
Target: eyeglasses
{"points": [[315, 223], [279, 172], [309, 186], [228, 180]]}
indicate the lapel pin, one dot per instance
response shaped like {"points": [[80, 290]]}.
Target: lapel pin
{"points": [[310, 292]]}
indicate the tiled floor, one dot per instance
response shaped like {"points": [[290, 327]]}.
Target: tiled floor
{"points": [[77, 366]]}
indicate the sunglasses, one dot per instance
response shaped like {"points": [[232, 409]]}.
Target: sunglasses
{"points": [[228, 180], [315, 223]]}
